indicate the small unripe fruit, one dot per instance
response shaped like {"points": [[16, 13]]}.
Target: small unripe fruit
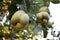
{"points": [[43, 9], [18, 26], [16, 16], [42, 15], [20, 19], [39, 15], [20, 16], [45, 15], [45, 21], [24, 19]]}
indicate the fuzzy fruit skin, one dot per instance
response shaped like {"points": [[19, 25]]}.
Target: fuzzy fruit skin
{"points": [[16, 16], [45, 21], [39, 15], [43, 9], [24, 19], [20, 19], [45, 15], [18, 26], [42, 15]]}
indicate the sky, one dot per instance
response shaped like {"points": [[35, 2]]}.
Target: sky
{"points": [[55, 12]]}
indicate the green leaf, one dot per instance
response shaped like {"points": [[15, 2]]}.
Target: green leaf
{"points": [[49, 25], [55, 1], [0, 5]]}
